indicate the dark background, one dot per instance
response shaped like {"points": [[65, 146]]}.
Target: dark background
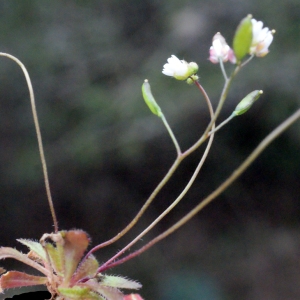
{"points": [[106, 152]]}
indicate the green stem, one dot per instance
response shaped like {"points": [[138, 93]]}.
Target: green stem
{"points": [[141, 212], [162, 215], [39, 137], [223, 69], [179, 159], [238, 172], [179, 198], [216, 114], [222, 124], [178, 150]]}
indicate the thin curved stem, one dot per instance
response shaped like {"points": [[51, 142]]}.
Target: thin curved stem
{"points": [[152, 196], [217, 111], [238, 172], [39, 137], [171, 171], [222, 124], [178, 199], [223, 69], [211, 124], [140, 213], [106, 265], [178, 150], [247, 60]]}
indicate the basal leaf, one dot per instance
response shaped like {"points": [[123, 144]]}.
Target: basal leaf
{"points": [[88, 268], [75, 244], [15, 279], [35, 247], [7, 252], [118, 282], [77, 292]]}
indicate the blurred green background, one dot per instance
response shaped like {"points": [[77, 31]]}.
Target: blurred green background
{"points": [[106, 152]]}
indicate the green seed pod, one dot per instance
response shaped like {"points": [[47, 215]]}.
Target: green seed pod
{"points": [[149, 99], [247, 102], [243, 38]]}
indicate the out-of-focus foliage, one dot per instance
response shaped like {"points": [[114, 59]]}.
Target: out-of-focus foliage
{"points": [[106, 152]]}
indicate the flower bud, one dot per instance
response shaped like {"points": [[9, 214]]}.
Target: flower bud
{"points": [[149, 99], [191, 80], [220, 50], [247, 102]]}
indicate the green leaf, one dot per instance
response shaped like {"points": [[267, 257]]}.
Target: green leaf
{"points": [[105, 291], [77, 292], [119, 282], [88, 268], [149, 99], [243, 38], [57, 258], [36, 247]]}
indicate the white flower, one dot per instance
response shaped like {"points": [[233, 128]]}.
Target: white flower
{"points": [[220, 50], [261, 39], [179, 69]]}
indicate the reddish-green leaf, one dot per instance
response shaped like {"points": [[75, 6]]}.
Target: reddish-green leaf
{"points": [[7, 252], [75, 244], [89, 267], [14, 279]]}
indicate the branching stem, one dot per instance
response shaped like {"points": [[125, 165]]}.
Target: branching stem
{"points": [[238, 172]]}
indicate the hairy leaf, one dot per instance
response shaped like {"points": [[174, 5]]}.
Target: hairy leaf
{"points": [[119, 282], [14, 279]]}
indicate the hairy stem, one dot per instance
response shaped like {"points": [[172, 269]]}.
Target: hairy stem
{"points": [[39, 137]]}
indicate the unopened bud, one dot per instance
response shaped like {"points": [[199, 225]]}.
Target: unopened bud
{"points": [[192, 79]]}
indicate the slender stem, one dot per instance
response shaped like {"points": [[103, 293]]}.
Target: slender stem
{"points": [[39, 137], [150, 199], [152, 196], [171, 134], [238, 172], [175, 165], [217, 112], [223, 69], [176, 201], [247, 60], [141, 212], [222, 124], [106, 265]]}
